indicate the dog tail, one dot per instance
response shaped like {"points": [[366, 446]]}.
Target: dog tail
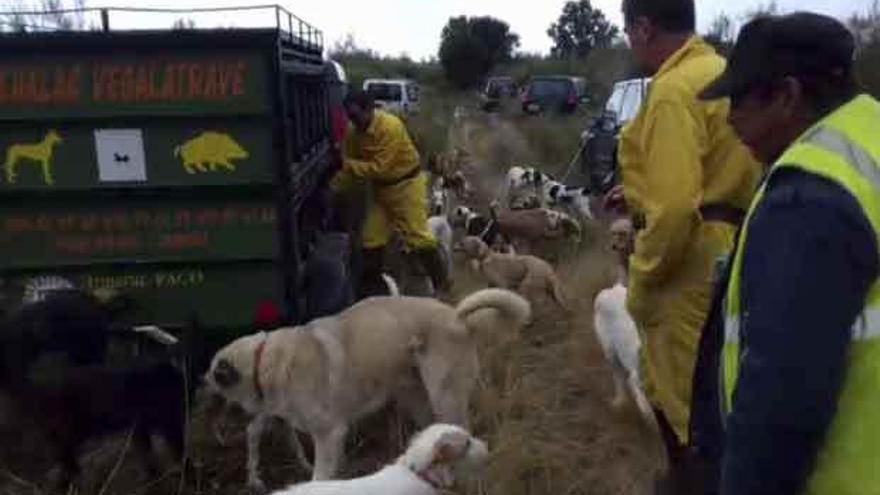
{"points": [[514, 308], [393, 289]]}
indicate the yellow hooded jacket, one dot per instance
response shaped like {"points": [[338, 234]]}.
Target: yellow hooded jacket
{"points": [[679, 153]]}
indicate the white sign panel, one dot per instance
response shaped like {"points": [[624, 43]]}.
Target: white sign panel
{"points": [[120, 155]]}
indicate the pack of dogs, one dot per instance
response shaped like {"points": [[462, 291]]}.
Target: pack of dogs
{"points": [[321, 378]]}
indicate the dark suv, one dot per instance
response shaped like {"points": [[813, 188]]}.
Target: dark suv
{"points": [[497, 90], [563, 94]]}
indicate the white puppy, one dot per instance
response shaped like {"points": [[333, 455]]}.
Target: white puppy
{"points": [[620, 344], [435, 459]]}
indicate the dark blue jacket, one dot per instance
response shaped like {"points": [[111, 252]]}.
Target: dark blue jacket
{"points": [[810, 258]]}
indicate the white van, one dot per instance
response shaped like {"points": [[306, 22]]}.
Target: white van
{"points": [[400, 96], [626, 99]]}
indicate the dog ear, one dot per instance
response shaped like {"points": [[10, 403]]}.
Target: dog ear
{"points": [[225, 375], [451, 446]]}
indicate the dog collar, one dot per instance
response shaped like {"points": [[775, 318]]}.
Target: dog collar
{"points": [[258, 359], [425, 475]]}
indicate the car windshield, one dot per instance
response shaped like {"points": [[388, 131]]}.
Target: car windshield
{"points": [[554, 88], [385, 91]]}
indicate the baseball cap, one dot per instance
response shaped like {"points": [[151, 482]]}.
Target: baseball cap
{"points": [[772, 47]]}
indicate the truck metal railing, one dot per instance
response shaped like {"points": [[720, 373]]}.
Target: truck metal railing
{"points": [[290, 27]]}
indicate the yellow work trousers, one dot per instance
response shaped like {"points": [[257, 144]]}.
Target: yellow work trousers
{"points": [[670, 320], [400, 208]]}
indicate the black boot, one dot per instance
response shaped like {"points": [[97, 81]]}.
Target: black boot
{"points": [[372, 265], [435, 267]]}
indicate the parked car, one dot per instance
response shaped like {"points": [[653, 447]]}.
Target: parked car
{"points": [[496, 91], [599, 140], [563, 94], [400, 96]]}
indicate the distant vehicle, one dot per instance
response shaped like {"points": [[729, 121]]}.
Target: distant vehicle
{"points": [[563, 94], [400, 96], [599, 140], [496, 91]]}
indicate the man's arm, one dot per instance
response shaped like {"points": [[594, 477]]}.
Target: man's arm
{"points": [[354, 169], [671, 192], [810, 259], [389, 141]]}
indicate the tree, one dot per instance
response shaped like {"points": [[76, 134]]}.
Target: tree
{"points": [[471, 46], [47, 15], [183, 23], [347, 47], [762, 10], [866, 28], [579, 29], [721, 33]]}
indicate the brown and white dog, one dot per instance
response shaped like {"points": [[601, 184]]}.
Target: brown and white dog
{"points": [[322, 377], [526, 227]]}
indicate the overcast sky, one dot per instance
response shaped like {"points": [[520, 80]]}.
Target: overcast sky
{"points": [[413, 26]]}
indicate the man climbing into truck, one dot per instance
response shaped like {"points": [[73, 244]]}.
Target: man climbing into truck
{"points": [[378, 150]]}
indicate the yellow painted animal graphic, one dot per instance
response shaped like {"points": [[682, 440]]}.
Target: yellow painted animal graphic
{"points": [[210, 150], [41, 153]]}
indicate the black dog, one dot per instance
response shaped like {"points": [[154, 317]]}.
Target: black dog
{"points": [[84, 396], [67, 321], [86, 402]]}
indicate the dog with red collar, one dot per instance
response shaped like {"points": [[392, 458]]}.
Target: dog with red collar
{"points": [[322, 377], [435, 460]]}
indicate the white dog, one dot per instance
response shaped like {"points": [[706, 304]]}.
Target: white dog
{"points": [[435, 459], [322, 377], [442, 231], [620, 344]]}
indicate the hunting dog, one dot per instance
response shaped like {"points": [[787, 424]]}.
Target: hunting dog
{"points": [[322, 377], [39, 152], [436, 458], [616, 330], [529, 275], [524, 228], [82, 396]]}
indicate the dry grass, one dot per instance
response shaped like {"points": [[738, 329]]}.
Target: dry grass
{"points": [[541, 404]]}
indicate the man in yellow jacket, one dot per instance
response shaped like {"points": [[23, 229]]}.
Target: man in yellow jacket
{"points": [[686, 181], [379, 151]]}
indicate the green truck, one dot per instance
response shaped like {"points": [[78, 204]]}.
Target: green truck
{"points": [[182, 167]]}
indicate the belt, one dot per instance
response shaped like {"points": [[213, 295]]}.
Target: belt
{"points": [[720, 212], [392, 182], [711, 212]]}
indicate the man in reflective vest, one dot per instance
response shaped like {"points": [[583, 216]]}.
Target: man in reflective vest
{"points": [[791, 352]]}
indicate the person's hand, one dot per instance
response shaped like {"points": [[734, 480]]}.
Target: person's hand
{"points": [[615, 201]]}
